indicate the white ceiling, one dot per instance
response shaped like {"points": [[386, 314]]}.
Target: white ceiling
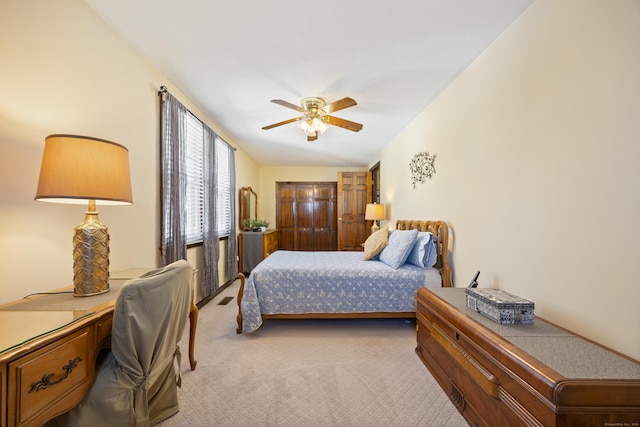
{"points": [[232, 57]]}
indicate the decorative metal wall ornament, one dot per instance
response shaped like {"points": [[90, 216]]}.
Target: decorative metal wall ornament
{"points": [[422, 167]]}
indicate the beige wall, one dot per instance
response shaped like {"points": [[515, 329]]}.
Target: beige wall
{"points": [[64, 71], [537, 147]]}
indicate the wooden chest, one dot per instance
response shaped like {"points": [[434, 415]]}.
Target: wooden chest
{"points": [[531, 375]]}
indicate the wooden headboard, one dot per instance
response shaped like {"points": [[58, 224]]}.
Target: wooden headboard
{"points": [[440, 230]]}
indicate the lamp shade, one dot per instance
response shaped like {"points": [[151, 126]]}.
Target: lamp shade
{"points": [[374, 212], [76, 169]]}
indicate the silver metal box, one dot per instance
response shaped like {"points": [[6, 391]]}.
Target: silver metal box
{"points": [[500, 306]]}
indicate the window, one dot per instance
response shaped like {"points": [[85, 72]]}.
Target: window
{"points": [[197, 192], [223, 181], [195, 180], [195, 183]]}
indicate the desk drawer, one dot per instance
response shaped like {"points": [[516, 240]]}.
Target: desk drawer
{"points": [[50, 375], [103, 332]]}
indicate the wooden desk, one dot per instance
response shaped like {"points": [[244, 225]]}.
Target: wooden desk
{"points": [[49, 374], [48, 352]]}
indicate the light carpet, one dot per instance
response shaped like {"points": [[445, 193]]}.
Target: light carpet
{"points": [[360, 373]]}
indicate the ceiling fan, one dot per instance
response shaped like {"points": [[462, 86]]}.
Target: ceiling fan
{"points": [[316, 116]]}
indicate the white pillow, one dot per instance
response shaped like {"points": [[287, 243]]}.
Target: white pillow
{"points": [[399, 246], [423, 253]]}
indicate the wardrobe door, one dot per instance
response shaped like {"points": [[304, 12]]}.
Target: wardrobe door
{"points": [[354, 192], [285, 215], [324, 218], [306, 215]]}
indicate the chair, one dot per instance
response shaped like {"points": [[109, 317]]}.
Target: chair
{"points": [[137, 381]]}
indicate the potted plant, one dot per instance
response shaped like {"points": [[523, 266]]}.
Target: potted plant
{"points": [[260, 224]]}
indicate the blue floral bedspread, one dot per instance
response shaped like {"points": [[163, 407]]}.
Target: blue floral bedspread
{"points": [[326, 282]]}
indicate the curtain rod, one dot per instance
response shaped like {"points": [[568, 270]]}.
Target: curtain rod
{"points": [[163, 90]]}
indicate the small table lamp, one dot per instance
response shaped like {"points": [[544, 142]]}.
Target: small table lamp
{"points": [[374, 212], [79, 170]]}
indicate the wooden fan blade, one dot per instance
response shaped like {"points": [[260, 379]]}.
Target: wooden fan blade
{"points": [[340, 105], [312, 137], [282, 123], [287, 104], [346, 124]]}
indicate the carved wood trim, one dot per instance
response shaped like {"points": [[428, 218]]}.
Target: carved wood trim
{"points": [[440, 230]]}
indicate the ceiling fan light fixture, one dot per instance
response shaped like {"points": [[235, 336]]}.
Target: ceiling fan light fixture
{"points": [[319, 125], [312, 126], [316, 116], [304, 126]]}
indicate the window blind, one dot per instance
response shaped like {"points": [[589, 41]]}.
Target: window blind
{"points": [[195, 180], [223, 180]]}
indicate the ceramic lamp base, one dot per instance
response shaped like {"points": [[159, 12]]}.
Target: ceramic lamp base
{"points": [[90, 257]]}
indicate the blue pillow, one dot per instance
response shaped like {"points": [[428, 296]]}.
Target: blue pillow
{"points": [[397, 250], [423, 253]]}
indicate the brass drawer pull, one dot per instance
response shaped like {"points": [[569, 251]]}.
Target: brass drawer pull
{"points": [[46, 378]]}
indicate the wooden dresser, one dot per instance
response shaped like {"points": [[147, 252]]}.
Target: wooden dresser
{"points": [[522, 375], [254, 246]]}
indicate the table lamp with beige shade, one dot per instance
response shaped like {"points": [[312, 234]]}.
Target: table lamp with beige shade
{"points": [[79, 170], [374, 212]]}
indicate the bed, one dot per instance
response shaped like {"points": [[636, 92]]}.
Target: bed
{"points": [[319, 285]]}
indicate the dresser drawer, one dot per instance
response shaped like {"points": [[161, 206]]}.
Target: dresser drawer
{"points": [[52, 374], [270, 243]]}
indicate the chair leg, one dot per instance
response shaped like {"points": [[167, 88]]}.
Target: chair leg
{"points": [[193, 323]]}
